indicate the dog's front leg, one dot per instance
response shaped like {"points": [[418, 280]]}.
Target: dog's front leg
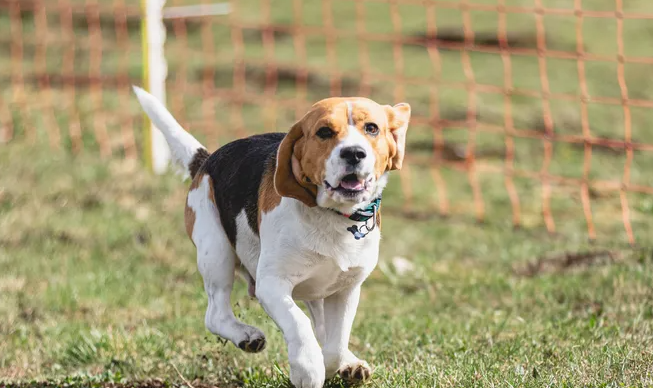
{"points": [[339, 312], [304, 354]]}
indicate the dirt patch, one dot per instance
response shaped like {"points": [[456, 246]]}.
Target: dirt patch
{"points": [[455, 151], [569, 122], [565, 262], [81, 14], [449, 36], [256, 34], [81, 81], [261, 76]]}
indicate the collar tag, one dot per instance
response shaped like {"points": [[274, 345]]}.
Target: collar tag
{"points": [[363, 215], [365, 229]]}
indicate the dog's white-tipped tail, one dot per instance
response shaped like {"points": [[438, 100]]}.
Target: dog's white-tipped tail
{"points": [[183, 145]]}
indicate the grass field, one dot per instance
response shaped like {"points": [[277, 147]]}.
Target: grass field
{"points": [[98, 282]]}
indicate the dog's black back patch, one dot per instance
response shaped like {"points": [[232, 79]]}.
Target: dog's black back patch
{"points": [[236, 170]]}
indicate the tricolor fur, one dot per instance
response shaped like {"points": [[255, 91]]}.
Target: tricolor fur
{"points": [[269, 207]]}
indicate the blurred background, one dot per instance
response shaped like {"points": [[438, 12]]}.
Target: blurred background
{"points": [[517, 238]]}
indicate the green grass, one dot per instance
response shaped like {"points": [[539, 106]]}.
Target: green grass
{"points": [[98, 281]]}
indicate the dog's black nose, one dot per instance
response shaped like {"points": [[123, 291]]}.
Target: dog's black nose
{"points": [[353, 155]]}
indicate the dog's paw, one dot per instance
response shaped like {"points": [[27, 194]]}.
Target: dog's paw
{"points": [[252, 345], [306, 366], [355, 373], [253, 341]]}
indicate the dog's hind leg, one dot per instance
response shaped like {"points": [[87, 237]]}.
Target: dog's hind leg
{"points": [[216, 261]]}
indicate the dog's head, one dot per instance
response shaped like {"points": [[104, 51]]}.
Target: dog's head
{"points": [[338, 155]]}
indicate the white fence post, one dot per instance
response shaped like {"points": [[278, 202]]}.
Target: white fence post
{"points": [[155, 71], [155, 67]]}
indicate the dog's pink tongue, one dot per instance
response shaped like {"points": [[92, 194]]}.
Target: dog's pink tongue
{"points": [[352, 185]]}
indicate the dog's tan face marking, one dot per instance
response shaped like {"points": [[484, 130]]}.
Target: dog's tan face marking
{"points": [[310, 164], [368, 112], [342, 116]]}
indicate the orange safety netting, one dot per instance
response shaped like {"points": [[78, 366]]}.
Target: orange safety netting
{"points": [[68, 65]]}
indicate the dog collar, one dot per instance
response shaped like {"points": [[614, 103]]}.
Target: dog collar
{"points": [[363, 215]]}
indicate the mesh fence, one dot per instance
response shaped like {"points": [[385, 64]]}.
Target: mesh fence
{"points": [[533, 108]]}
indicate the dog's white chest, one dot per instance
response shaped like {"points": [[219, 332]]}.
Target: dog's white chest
{"points": [[318, 255], [341, 249], [326, 275], [321, 267]]}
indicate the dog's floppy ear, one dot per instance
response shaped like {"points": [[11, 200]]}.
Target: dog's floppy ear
{"points": [[398, 118], [289, 179]]}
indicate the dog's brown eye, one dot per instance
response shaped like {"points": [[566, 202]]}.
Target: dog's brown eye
{"points": [[325, 133], [371, 129]]}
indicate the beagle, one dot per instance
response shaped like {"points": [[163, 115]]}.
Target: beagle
{"points": [[297, 215]]}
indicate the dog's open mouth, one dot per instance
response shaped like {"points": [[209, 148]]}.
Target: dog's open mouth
{"points": [[349, 185]]}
